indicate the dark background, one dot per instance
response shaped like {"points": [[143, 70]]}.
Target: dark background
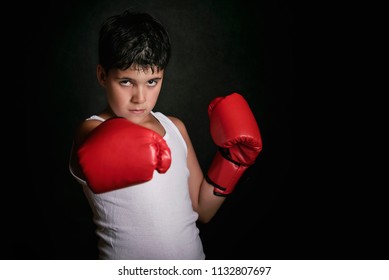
{"points": [[288, 205]]}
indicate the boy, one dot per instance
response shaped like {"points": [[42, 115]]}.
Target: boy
{"points": [[138, 167]]}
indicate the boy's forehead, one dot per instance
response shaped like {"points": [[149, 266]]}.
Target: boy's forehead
{"points": [[138, 71]]}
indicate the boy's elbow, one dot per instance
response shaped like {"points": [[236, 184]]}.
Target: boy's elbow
{"points": [[204, 219]]}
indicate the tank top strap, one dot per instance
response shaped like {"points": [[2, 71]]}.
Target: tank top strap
{"points": [[95, 117], [170, 128]]}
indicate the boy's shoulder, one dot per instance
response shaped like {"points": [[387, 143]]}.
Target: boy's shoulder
{"points": [[84, 128], [174, 119], [178, 122]]}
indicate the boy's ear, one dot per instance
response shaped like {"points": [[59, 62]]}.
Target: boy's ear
{"points": [[101, 75]]}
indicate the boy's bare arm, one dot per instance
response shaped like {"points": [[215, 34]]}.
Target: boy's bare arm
{"points": [[204, 202], [236, 134]]}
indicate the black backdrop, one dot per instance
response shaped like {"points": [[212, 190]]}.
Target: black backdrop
{"points": [[317, 191], [219, 47]]}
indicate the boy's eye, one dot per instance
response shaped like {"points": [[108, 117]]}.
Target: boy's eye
{"points": [[125, 83], [151, 83]]}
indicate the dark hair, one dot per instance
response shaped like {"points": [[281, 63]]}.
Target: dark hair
{"points": [[133, 39]]}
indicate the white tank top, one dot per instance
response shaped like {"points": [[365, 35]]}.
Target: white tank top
{"points": [[152, 220]]}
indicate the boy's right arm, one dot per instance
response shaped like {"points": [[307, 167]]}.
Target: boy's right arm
{"points": [[80, 134], [118, 153]]}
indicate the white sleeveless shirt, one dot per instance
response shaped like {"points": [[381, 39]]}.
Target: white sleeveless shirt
{"points": [[152, 220]]}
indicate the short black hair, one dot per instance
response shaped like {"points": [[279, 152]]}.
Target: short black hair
{"points": [[133, 39]]}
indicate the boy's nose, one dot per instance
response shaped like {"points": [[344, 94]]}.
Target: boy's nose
{"points": [[138, 96]]}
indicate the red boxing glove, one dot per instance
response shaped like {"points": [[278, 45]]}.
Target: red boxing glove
{"points": [[119, 153], [235, 131]]}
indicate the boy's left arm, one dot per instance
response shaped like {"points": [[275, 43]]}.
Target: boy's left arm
{"points": [[204, 202], [236, 133]]}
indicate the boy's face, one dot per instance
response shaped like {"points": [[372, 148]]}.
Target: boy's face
{"points": [[131, 93]]}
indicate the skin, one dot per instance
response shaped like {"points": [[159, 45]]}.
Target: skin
{"points": [[132, 94]]}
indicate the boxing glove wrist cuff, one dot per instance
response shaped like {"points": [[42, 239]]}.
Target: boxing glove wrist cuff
{"points": [[224, 174]]}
